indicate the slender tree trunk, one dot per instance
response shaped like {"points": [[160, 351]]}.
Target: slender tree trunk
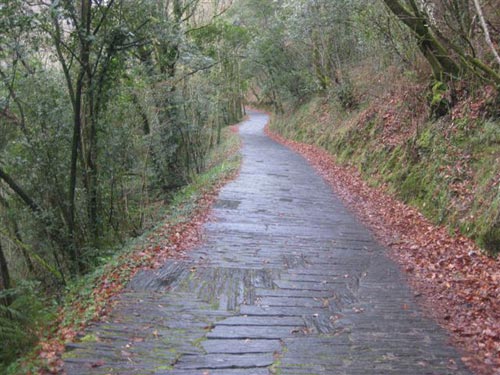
{"points": [[76, 144], [26, 256], [92, 173], [4, 276], [486, 31], [84, 32], [146, 127], [90, 120], [17, 233], [19, 191], [321, 76]]}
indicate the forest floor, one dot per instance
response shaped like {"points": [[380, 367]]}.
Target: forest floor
{"points": [[285, 281]]}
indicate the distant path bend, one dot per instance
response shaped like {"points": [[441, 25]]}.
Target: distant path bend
{"points": [[285, 282]]}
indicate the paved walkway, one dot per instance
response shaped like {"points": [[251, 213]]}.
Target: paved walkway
{"points": [[286, 282]]}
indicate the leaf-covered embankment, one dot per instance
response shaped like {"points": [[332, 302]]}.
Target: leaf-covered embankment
{"points": [[448, 168], [380, 156]]}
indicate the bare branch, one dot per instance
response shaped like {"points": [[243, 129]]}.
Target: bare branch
{"points": [[103, 18], [19, 191], [486, 31]]}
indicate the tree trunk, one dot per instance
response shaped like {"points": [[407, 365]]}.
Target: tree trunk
{"points": [[17, 234], [4, 276], [319, 67], [486, 31], [75, 146], [19, 191], [443, 66], [82, 78]]}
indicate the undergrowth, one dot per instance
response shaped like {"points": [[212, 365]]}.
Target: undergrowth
{"points": [[41, 327], [449, 168]]}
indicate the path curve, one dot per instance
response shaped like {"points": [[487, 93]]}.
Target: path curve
{"points": [[286, 281]]}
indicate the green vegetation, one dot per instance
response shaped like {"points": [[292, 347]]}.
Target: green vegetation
{"points": [[81, 303], [107, 110], [21, 319], [405, 91], [110, 110], [449, 175]]}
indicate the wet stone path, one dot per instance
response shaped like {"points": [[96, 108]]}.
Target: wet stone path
{"points": [[286, 282]]}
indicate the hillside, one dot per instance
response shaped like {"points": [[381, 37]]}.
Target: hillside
{"points": [[447, 167]]}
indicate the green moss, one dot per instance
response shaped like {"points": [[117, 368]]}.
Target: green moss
{"points": [[421, 170], [89, 338], [164, 368], [275, 368], [197, 343], [425, 141]]}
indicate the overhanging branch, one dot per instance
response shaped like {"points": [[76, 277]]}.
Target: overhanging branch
{"points": [[19, 191]]}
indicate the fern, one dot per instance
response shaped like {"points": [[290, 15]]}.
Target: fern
{"points": [[20, 320]]}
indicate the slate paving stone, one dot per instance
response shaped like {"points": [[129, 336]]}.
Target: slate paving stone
{"points": [[292, 293], [286, 281], [225, 361], [252, 332], [292, 301], [245, 320], [276, 311], [308, 285], [251, 371], [244, 346]]}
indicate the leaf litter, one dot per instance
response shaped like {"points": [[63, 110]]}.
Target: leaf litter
{"points": [[456, 283]]}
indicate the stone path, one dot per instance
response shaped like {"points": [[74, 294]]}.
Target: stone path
{"points": [[286, 282]]}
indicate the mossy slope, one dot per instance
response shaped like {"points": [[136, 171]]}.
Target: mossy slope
{"points": [[448, 168]]}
